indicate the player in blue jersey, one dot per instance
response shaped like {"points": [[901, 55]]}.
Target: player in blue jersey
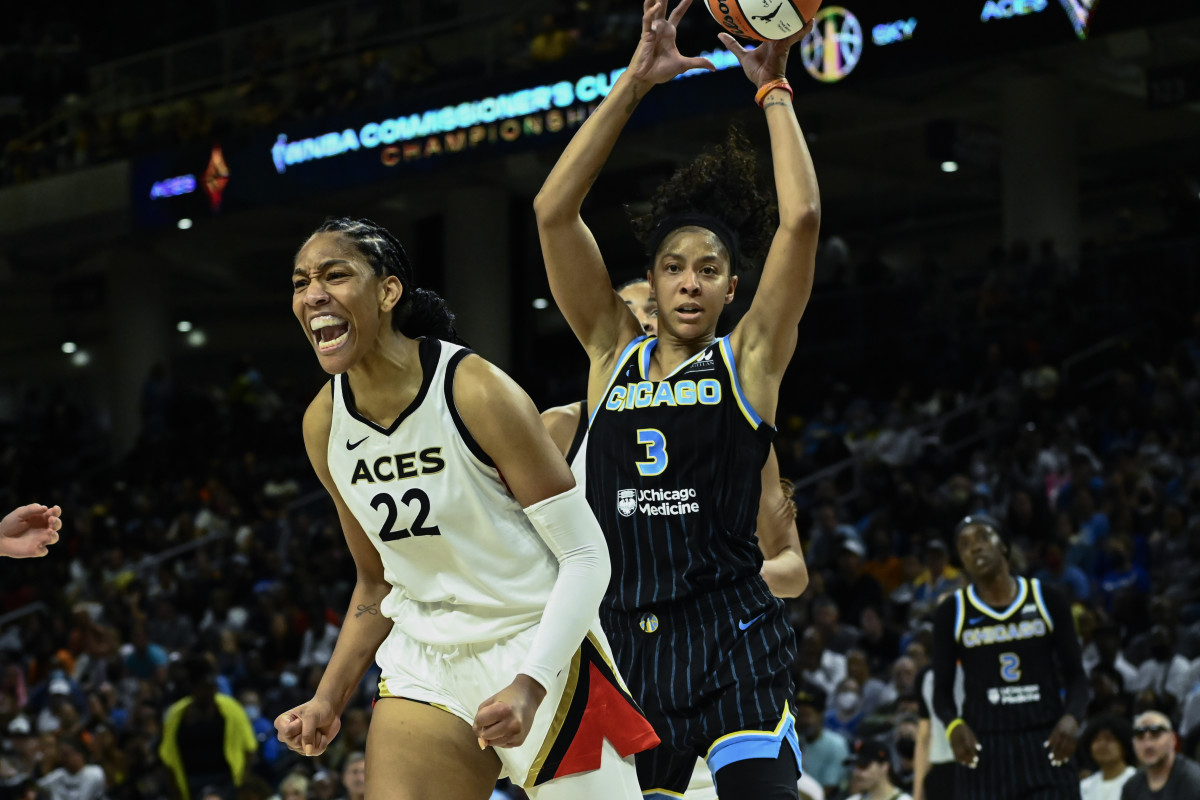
{"points": [[681, 424]]}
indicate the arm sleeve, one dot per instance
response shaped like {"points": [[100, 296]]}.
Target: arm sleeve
{"points": [[567, 526], [944, 661], [1066, 647]]}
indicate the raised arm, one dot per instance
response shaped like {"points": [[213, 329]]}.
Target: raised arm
{"points": [[579, 280], [783, 566], [765, 338], [310, 727]]}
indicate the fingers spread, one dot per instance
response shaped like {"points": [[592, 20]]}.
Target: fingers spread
{"points": [[677, 14], [732, 44]]}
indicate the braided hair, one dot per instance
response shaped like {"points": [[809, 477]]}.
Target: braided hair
{"points": [[421, 312], [721, 183]]}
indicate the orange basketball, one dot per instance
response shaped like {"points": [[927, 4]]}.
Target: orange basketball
{"points": [[763, 19]]}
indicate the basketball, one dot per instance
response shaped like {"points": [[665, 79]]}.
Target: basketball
{"points": [[763, 19]]}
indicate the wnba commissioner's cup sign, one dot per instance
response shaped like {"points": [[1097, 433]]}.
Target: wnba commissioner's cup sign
{"points": [[833, 47]]}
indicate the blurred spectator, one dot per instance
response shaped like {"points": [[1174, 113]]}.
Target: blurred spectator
{"points": [[270, 749], [881, 644], [818, 665], [143, 658], [846, 712], [74, 778], [294, 786], [874, 691], [1067, 577], [903, 682], [207, 738], [1164, 774], [883, 565], [937, 579], [354, 776], [1165, 671], [838, 637], [850, 588], [826, 534], [904, 746], [324, 785], [1123, 577], [1108, 742], [824, 752], [871, 778], [1105, 651]]}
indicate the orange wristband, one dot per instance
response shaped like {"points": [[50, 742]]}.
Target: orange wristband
{"points": [[769, 86]]}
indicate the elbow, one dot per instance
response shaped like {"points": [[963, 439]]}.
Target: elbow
{"points": [[549, 209], [805, 220], [797, 580], [801, 582]]}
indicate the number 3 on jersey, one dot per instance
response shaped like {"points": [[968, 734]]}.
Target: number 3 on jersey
{"points": [[656, 452], [386, 534]]}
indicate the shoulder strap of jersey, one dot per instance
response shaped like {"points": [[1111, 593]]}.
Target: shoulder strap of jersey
{"points": [[472, 445], [960, 613], [629, 348], [1036, 586], [743, 402], [580, 431]]}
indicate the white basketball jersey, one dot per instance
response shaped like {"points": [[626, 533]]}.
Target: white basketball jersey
{"points": [[939, 747], [579, 463], [465, 563]]}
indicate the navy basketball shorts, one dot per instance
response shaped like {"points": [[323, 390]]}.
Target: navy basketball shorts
{"points": [[1014, 765], [712, 675]]}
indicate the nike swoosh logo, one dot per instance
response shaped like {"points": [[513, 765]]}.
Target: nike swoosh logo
{"points": [[356, 444], [745, 625], [975, 620]]}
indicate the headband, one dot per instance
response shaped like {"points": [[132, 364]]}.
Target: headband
{"points": [[696, 219]]}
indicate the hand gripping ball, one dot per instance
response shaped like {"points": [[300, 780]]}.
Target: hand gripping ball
{"points": [[763, 19]]}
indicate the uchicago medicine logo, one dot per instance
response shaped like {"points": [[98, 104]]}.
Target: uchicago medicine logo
{"points": [[657, 502]]}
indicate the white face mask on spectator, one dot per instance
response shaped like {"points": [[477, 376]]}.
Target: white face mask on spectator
{"points": [[846, 702]]}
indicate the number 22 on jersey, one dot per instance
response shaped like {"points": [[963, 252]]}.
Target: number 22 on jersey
{"points": [[386, 533]]}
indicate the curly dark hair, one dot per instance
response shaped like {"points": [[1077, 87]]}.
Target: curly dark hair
{"points": [[722, 182]]}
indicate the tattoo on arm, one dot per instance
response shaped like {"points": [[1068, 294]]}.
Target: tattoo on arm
{"points": [[371, 609], [629, 108], [770, 103]]}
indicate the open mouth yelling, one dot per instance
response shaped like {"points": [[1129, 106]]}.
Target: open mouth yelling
{"points": [[329, 332]]}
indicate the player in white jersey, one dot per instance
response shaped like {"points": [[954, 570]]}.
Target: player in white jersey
{"points": [[480, 566]]}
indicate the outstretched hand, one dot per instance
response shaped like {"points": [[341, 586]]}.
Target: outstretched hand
{"points": [[768, 60], [657, 58], [27, 531]]}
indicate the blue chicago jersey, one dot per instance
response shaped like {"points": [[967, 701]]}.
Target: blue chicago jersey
{"points": [[674, 477]]}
